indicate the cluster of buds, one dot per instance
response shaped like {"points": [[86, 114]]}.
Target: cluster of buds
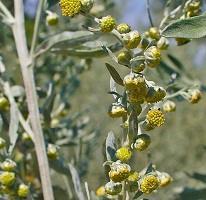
{"points": [[9, 185]]}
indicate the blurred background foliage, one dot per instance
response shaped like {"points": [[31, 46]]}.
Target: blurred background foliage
{"points": [[178, 147]]}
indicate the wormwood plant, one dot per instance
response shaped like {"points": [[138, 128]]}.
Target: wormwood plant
{"points": [[40, 114]]}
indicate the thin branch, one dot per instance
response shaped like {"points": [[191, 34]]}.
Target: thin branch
{"points": [[36, 26], [149, 14], [30, 89], [6, 12]]}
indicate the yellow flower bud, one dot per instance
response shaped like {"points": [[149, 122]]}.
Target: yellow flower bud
{"points": [[119, 171], [155, 117], [155, 94], [8, 165], [152, 56], [134, 81], [112, 188], [132, 183], [7, 178], [107, 24], [147, 126], [163, 43], [165, 179], [116, 111], [100, 192], [123, 28], [123, 154], [142, 142], [124, 57], [195, 96], [132, 39], [23, 190], [70, 7], [26, 137], [154, 33], [149, 183], [169, 106], [52, 19], [4, 104], [52, 151]]}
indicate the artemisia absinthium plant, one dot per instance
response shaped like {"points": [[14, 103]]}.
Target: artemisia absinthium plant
{"points": [[143, 103]]}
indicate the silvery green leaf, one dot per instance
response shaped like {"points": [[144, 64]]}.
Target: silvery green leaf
{"points": [[198, 176], [89, 51], [191, 28], [67, 39], [17, 91], [76, 182], [114, 74], [110, 146]]}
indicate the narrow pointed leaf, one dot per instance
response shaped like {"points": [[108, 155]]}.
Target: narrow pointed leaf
{"points": [[114, 74]]}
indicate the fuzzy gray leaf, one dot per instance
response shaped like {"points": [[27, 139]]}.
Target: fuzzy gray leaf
{"points": [[110, 146], [191, 28]]}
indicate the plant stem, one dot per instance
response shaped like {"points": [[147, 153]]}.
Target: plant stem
{"points": [[30, 89], [149, 14], [36, 26]]}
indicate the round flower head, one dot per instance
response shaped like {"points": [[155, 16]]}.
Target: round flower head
{"points": [[147, 126], [132, 183], [70, 7], [195, 96], [155, 117], [149, 183], [52, 151], [155, 94], [123, 154], [7, 178], [169, 106], [142, 142], [8, 165], [4, 104], [123, 28], [113, 188], [165, 179], [100, 192], [116, 111], [124, 57], [152, 56], [23, 190], [134, 81], [107, 24], [154, 33], [119, 171], [136, 95], [132, 39], [163, 43], [2, 143]]}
